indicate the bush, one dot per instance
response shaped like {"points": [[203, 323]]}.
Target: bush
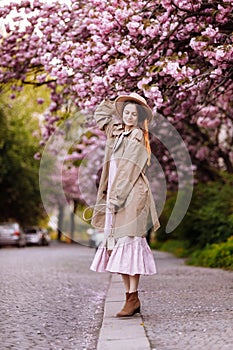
{"points": [[209, 218], [214, 255], [178, 248]]}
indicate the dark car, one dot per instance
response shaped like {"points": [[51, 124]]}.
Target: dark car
{"points": [[11, 233], [37, 236]]}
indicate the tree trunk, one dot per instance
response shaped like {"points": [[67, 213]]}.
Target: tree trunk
{"points": [[60, 221], [227, 161], [72, 220]]}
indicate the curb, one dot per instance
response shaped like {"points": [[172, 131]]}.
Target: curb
{"points": [[120, 333]]}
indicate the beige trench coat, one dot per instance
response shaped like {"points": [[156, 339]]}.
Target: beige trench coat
{"points": [[130, 191]]}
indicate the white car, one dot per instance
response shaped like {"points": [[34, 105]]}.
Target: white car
{"points": [[95, 237], [36, 236], [11, 233]]}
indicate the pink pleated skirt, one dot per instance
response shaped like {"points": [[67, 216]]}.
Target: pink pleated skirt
{"points": [[130, 256]]}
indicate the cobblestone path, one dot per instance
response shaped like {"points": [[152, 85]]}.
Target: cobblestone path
{"points": [[186, 307], [49, 298]]}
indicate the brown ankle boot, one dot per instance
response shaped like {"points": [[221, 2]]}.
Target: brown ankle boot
{"points": [[132, 305], [126, 300]]}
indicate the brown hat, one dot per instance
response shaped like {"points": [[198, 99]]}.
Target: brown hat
{"points": [[132, 97]]}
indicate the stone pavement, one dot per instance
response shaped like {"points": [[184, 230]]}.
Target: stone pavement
{"points": [[183, 307], [120, 333]]}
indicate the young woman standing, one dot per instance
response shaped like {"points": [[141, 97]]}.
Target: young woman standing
{"points": [[124, 199]]}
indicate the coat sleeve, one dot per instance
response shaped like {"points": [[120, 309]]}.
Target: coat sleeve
{"points": [[104, 116], [130, 166]]}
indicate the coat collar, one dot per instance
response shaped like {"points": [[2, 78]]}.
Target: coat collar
{"points": [[120, 133], [119, 129]]}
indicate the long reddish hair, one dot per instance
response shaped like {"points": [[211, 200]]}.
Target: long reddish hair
{"points": [[143, 121], [147, 141]]}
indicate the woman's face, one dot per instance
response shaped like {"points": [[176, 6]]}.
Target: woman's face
{"points": [[130, 115]]}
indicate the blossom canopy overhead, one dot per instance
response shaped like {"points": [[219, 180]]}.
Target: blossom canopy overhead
{"points": [[178, 54]]}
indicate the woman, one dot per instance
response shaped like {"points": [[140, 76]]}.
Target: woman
{"points": [[124, 199]]}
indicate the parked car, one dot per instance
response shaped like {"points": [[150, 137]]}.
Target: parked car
{"points": [[95, 237], [11, 233], [36, 236]]}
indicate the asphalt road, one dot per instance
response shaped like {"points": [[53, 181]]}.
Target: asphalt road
{"points": [[49, 298]]}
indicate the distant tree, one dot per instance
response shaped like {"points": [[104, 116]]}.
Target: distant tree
{"points": [[19, 183]]}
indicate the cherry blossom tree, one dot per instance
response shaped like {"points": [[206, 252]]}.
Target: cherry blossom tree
{"points": [[69, 173], [177, 53]]}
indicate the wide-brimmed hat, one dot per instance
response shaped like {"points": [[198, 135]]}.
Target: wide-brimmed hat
{"points": [[119, 103]]}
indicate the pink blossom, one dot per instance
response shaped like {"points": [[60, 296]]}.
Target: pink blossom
{"points": [[37, 156], [143, 82], [152, 30], [210, 32], [133, 28], [40, 101], [202, 153], [216, 72], [155, 95]]}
